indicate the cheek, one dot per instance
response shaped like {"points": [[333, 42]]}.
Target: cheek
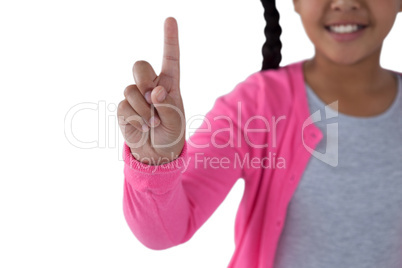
{"points": [[383, 25], [385, 14], [314, 28], [312, 21]]}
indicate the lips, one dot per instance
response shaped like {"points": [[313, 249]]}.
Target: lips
{"points": [[346, 37], [343, 34]]}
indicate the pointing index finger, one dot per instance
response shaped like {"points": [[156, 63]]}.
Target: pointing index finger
{"points": [[171, 51]]}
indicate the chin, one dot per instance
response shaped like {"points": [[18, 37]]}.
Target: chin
{"points": [[345, 59]]}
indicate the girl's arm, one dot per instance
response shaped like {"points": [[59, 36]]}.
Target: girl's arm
{"points": [[165, 205]]}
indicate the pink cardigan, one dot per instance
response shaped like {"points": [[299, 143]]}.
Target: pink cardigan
{"points": [[165, 205]]}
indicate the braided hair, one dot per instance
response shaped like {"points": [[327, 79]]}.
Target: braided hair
{"points": [[271, 49]]}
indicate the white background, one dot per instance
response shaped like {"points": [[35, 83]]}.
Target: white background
{"points": [[61, 204]]}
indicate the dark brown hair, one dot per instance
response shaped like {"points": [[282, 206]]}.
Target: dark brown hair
{"points": [[271, 50]]}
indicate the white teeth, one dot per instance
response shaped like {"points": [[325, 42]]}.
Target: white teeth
{"points": [[350, 28]]}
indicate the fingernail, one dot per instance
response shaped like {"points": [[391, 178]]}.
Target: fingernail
{"points": [[161, 95], [153, 121], [145, 128], [147, 96]]}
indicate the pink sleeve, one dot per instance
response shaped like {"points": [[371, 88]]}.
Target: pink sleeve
{"points": [[165, 205]]}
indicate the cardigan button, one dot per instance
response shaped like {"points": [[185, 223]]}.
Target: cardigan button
{"points": [[279, 223]]}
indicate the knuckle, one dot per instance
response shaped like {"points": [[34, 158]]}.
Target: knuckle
{"points": [[121, 121], [138, 103], [134, 98], [129, 90], [171, 58], [122, 110], [146, 85], [140, 64], [122, 106]]}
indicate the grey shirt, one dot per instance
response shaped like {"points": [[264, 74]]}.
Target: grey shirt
{"points": [[349, 215]]}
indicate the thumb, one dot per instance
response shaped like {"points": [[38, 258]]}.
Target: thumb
{"points": [[168, 109]]}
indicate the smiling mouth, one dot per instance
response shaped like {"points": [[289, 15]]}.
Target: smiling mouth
{"points": [[345, 29], [346, 32]]}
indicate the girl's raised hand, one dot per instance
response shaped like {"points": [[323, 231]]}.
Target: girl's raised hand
{"points": [[151, 117]]}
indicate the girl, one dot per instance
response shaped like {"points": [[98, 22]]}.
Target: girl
{"points": [[317, 142]]}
